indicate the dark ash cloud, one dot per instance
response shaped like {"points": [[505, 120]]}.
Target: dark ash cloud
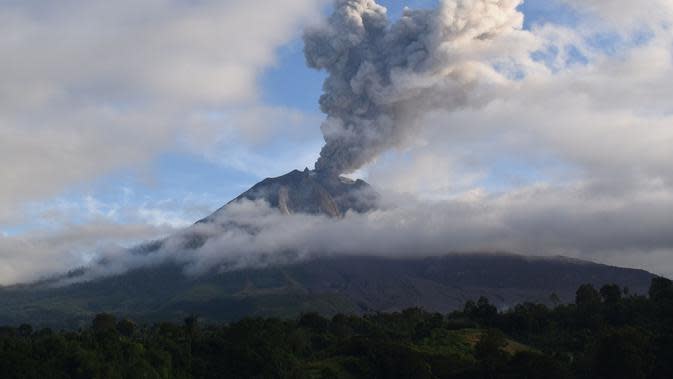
{"points": [[383, 75]]}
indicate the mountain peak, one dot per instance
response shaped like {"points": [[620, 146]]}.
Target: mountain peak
{"points": [[311, 192]]}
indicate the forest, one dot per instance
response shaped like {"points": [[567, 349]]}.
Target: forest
{"points": [[606, 333]]}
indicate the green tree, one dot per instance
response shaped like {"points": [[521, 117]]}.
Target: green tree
{"points": [[531, 365], [192, 325], [611, 293], [126, 327], [587, 295], [25, 330], [555, 299], [489, 352], [104, 322], [482, 311], [624, 353], [661, 289]]}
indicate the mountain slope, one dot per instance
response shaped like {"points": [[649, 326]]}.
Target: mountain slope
{"points": [[312, 193], [338, 284], [330, 285]]}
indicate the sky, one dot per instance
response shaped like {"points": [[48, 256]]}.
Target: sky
{"points": [[126, 121]]}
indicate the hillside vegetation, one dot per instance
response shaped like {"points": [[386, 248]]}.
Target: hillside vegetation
{"points": [[326, 285], [606, 333]]}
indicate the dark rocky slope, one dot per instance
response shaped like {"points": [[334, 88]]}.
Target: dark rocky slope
{"points": [[310, 192]]}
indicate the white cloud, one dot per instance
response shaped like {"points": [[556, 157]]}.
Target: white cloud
{"points": [[626, 12], [64, 234], [592, 142], [40, 254], [537, 220], [87, 87], [607, 121]]}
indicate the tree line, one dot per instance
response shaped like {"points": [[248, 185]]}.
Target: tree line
{"points": [[605, 333]]}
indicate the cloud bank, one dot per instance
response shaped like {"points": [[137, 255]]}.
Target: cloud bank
{"points": [[91, 87], [44, 254], [252, 234]]}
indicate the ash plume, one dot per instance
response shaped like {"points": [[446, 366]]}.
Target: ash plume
{"points": [[382, 75]]}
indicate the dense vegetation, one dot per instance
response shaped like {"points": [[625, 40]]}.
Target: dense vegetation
{"points": [[607, 333]]}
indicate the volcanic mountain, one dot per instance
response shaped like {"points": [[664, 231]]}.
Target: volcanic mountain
{"points": [[310, 192], [325, 284]]}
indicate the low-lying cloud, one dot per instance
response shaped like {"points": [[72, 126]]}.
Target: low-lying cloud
{"points": [[43, 254], [538, 221]]}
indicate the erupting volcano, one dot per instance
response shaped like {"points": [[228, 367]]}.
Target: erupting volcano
{"points": [[311, 192]]}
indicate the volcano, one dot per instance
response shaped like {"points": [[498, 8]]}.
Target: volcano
{"points": [[310, 192], [325, 284]]}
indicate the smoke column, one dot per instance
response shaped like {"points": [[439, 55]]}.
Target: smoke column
{"points": [[382, 76]]}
